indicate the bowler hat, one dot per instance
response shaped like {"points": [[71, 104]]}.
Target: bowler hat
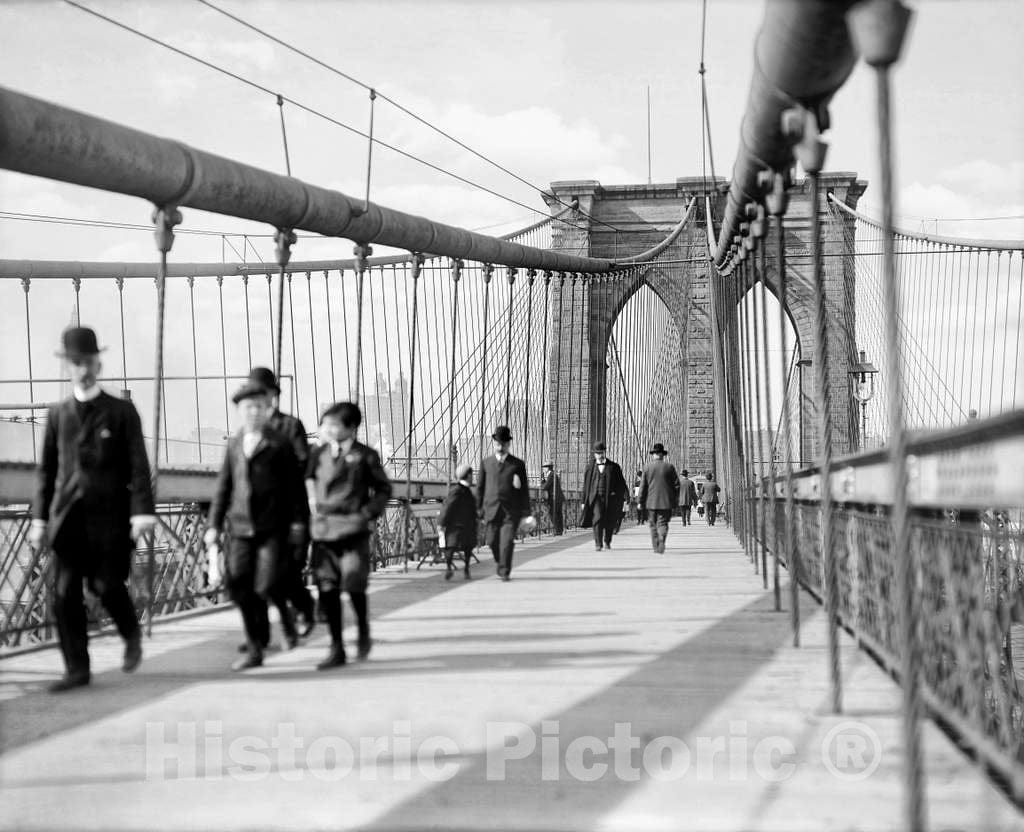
{"points": [[464, 472], [264, 377], [77, 342], [502, 434], [686, 473], [658, 448], [249, 390], [599, 447], [550, 465]]}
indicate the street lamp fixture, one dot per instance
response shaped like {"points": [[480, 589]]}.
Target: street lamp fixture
{"points": [[863, 374]]}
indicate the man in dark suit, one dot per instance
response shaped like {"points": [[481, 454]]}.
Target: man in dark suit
{"points": [[604, 492], [294, 431], [503, 494], [94, 498], [687, 496], [260, 493], [659, 493], [551, 485], [458, 521], [348, 489], [708, 493]]}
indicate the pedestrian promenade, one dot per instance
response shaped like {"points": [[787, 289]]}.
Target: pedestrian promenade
{"points": [[620, 690]]}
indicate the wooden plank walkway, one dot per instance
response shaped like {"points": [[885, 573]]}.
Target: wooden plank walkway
{"points": [[614, 690]]}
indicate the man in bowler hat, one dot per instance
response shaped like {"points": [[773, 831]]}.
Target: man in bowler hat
{"points": [[93, 500], [659, 493], [458, 521], [604, 492], [551, 485], [503, 494], [687, 496], [291, 427]]}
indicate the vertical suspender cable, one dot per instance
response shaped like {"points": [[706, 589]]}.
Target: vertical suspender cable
{"points": [[878, 30], [26, 285], [456, 274], [223, 351], [488, 272], [195, 362], [508, 350], [330, 335], [417, 265], [531, 276]]}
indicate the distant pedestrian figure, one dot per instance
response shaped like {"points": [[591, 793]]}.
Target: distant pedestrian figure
{"points": [[659, 494], [93, 500], [638, 480], [293, 582], [458, 521], [503, 495], [551, 485], [259, 494], [687, 496], [348, 489], [604, 492], [708, 493]]}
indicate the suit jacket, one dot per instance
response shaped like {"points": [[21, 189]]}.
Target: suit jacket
{"points": [[497, 487], [687, 492], [263, 494], [660, 486], [353, 486], [615, 491], [458, 518], [292, 429], [709, 491], [98, 461]]}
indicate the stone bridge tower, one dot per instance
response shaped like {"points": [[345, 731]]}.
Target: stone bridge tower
{"points": [[643, 215]]}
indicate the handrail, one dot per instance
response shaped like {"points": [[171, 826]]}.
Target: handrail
{"points": [[44, 139], [965, 242]]}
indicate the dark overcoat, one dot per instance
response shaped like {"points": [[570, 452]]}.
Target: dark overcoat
{"points": [[263, 494], [97, 461], [458, 518], [503, 485], [615, 490], [660, 487]]}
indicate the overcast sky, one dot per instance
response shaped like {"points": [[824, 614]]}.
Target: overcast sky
{"points": [[553, 90]]}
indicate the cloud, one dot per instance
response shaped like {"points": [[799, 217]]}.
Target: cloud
{"points": [[984, 178]]}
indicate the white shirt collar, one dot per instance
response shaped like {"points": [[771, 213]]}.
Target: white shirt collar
{"points": [[87, 395], [465, 483]]}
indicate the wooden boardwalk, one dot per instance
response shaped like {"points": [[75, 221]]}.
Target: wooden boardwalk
{"points": [[614, 690]]}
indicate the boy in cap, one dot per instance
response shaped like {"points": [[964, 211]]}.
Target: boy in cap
{"points": [[458, 520], [604, 493], [260, 493], [93, 500], [291, 427], [503, 494], [347, 488]]}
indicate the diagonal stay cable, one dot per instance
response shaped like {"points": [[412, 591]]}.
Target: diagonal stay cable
{"points": [[392, 102], [304, 107]]}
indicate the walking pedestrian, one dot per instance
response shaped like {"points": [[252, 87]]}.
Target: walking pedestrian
{"points": [[93, 501], [348, 489], [457, 521], [709, 491], [687, 496], [260, 494], [293, 581], [604, 492], [551, 485], [659, 493], [504, 497]]}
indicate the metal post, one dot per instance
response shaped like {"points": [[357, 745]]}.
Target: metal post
{"points": [[417, 265]]}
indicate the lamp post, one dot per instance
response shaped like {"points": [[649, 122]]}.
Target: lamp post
{"points": [[863, 374], [803, 362]]}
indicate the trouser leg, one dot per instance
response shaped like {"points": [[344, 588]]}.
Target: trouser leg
{"points": [[360, 605], [118, 603], [69, 610], [494, 537], [507, 544], [652, 520], [297, 591], [663, 517]]}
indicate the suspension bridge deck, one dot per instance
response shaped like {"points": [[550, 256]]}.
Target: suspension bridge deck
{"points": [[725, 724]]}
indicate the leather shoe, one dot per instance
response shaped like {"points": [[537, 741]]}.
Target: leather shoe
{"points": [[364, 649], [248, 660], [69, 681], [244, 647], [506, 578], [132, 652], [448, 575], [336, 658]]}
